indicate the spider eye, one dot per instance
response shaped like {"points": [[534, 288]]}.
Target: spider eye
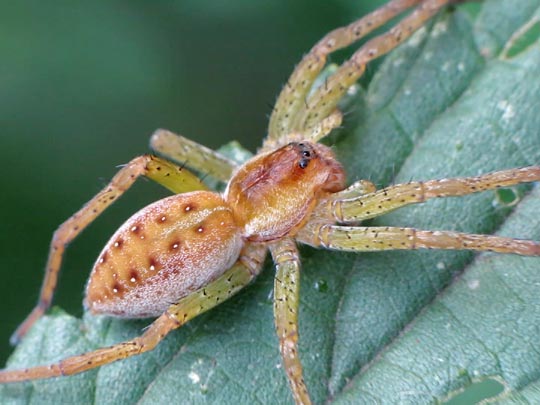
{"points": [[305, 152]]}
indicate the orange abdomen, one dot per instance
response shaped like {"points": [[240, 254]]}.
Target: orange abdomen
{"points": [[162, 253]]}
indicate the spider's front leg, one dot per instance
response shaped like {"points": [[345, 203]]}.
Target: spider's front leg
{"points": [[286, 302], [377, 203], [325, 98], [165, 173], [378, 238], [292, 98], [352, 210], [237, 277], [299, 107]]}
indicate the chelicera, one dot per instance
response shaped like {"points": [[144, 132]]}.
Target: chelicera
{"points": [[185, 254]]}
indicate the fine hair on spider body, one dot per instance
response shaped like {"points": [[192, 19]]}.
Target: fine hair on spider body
{"points": [[183, 255]]}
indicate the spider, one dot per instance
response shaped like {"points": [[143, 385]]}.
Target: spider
{"points": [[185, 254]]}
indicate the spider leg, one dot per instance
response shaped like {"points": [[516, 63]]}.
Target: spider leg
{"points": [[369, 239], [351, 210], [325, 98], [294, 93], [324, 127], [286, 301], [319, 131], [165, 173], [194, 155], [246, 268], [358, 188]]}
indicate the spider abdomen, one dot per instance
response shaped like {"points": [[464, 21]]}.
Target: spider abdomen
{"points": [[162, 253]]}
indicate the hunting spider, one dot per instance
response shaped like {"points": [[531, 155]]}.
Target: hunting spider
{"points": [[197, 248]]}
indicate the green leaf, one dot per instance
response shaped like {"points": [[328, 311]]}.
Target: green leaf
{"points": [[396, 327]]}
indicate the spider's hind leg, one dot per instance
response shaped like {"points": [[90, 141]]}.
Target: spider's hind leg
{"points": [[237, 277], [163, 172]]}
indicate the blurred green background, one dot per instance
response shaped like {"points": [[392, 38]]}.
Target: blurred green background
{"points": [[84, 84]]}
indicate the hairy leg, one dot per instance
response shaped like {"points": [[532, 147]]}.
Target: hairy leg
{"points": [[192, 154], [351, 210], [376, 238], [165, 173], [286, 301], [293, 95], [233, 280], [315, 134], [325, 98]]}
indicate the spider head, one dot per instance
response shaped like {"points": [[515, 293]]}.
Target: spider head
{"points": [[273, 194]]}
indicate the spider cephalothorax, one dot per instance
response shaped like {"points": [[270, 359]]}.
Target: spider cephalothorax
{"points": [[273, 194]]}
